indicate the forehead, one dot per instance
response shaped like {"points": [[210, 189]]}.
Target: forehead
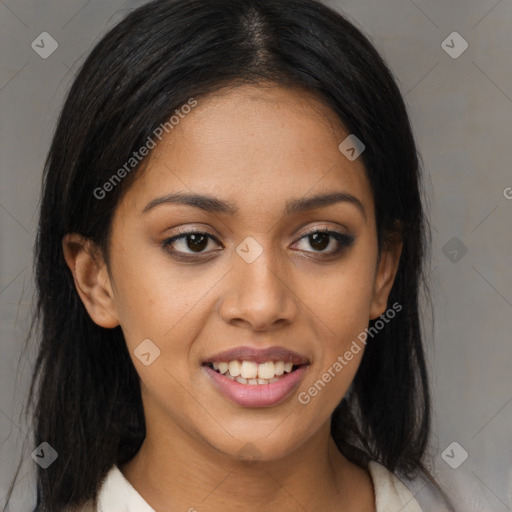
{"points": [[253, 146]]}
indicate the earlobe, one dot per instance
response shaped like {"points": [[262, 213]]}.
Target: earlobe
{"points": [[385, 277], [91, 279]]}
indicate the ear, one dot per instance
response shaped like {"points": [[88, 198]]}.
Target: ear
{"points": [[385, 276], [91, 278]]}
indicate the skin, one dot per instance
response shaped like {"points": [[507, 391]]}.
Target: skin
{"points": [[256, 147]]}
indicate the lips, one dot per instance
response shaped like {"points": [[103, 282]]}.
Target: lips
{"points": [[256, 377]]}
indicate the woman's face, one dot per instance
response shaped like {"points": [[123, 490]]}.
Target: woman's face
{"points": [[253, 283]]}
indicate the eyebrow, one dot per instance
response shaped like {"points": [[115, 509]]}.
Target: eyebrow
{"points": [[214, 205]]}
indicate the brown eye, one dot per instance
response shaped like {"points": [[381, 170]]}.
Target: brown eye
{"points": [[196, 242], [189, 242], [321, 239]]}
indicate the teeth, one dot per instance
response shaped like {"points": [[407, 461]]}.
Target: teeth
{"points": [[279, 367], [249, 372], [266, 370], [235, 367]]}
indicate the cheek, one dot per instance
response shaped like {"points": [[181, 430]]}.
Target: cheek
{"points": [[341, 305], [167, 305], [153, 299], [342, 298], [344, 318]]}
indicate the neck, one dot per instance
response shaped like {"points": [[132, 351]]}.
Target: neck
{"points": [[177, 472]]}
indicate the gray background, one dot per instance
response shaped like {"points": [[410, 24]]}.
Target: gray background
{"points": [[461, 109]]}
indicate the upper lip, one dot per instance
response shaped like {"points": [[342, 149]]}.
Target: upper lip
{"points": [[258, 355]]}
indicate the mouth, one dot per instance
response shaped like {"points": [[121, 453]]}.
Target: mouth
{"points": [[256, 377]]}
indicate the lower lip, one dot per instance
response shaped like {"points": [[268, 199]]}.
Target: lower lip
{"points": [[257, 395]]}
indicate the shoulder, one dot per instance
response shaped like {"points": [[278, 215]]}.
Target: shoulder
{"points": [[116, 493], [391, 494], [394, 493]]}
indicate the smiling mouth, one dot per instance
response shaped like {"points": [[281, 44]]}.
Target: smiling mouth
{"points": [[252, 373]]}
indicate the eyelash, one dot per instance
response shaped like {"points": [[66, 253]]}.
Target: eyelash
{"points": [[343, 240]]}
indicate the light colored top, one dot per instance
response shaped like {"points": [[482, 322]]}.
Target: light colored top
{"points": [[391, 495]]}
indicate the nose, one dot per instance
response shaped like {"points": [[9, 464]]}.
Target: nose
{"points": [[259, 294]]}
